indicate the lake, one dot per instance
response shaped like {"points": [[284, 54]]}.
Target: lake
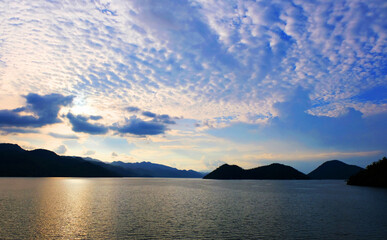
{"points": [[159, 208]]}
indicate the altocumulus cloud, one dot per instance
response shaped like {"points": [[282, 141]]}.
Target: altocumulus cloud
{"points": [[238, 57], [39, 111], [80, 124]]}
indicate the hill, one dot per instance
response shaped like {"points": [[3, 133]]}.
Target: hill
{"points": [[272, 171], [148, 169], [17, 162], [334, 169], [375, 175]]}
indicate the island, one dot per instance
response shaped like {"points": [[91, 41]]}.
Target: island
{"points": [[272, 171]]}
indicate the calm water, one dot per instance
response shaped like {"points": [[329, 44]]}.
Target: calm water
{"points": [[138, 208]]}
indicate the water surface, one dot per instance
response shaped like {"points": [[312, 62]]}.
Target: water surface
{"points": [[156, 208]]}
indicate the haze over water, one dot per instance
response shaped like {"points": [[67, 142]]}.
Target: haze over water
{"points": [[137, 208]]}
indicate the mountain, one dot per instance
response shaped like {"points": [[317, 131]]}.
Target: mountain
{"points": [[17, 162], [334, 169], [272, 171], [148, 169], [375, 175]]}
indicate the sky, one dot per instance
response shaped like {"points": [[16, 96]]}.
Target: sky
{"points": [[196, 84]]}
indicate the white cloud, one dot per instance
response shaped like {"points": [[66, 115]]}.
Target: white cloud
{"points": [[199, 59], [61, 149]]}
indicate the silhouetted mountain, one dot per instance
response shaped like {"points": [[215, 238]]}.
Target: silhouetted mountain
{"points": [[375, 175], [272, 171], [334, 169], [17, 162], [148, 169]]}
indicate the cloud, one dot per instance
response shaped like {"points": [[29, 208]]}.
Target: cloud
{"points": [[64, 136], [137, 126], [199, 59], [140, 127], [95, 117], [114, 154], [80, 124], [163, 118], [89, 152], [18, 130], [149, 114], [132, 109], [43, 111], [211, 164], [61, 149]]}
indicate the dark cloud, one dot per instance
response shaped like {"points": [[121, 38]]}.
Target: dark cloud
{"points": [[140, 127], [43, 109], [80, 124], [18, 130], [137, 126], [65, 136], [132, 109], [149, 114], [164, 118], [95, 117]]}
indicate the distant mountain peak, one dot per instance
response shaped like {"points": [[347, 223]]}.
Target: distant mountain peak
{"points": [[334, 169], [149, 169]]}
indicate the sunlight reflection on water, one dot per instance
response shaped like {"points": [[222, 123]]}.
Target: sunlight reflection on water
{"points": [[135, 208]]}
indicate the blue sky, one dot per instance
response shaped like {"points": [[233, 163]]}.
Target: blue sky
{"points": [[194, 84]]}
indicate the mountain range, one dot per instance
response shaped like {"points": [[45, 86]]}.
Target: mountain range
{"points": [[333, 169], [148, 169], [17, 162]]}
